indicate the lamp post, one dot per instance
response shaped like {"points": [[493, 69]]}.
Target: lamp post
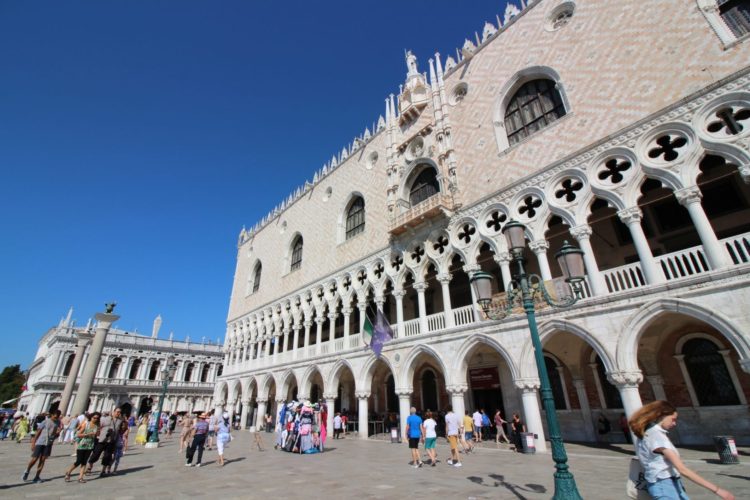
{"points": [[167, 373], [526, 288]]}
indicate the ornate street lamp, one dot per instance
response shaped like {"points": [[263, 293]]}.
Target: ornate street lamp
{"points": [[167, 374], [525, 289]]}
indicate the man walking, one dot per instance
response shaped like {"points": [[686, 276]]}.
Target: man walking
{"points": [[41, 444], [415, 434], [337, 423], [106, 441], [477, 418], [452, 426]]}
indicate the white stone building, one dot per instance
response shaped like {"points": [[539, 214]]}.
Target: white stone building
{"points": [[619, 125], [128, 374]]}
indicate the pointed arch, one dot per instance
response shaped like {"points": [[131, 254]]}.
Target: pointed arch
{"points": [[406, 375], [305, 382], [335, 374], [527, 363], [283, 381], [460, 365], [264, 385], [627, 344], [364, 378]]}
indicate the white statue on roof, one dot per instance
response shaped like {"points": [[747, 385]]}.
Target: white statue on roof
{"points": [[411, 63]]}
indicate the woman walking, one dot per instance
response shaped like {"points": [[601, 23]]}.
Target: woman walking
{"points": [[430, 437], [661, 462], [121, 445], [21, 428], [87, 433], [142, 434], [186, 424], [223, 436], [499, 425]]}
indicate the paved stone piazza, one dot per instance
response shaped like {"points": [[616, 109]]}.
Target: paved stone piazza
{"points": [[350, 468]]}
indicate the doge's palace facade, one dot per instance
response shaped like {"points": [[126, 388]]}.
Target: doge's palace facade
{"points": [[596, 122]]}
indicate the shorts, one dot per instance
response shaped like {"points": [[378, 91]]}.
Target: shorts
{"points": [[41, 450], [469, 435], [453, 441], [414, 443], [429, 443], [82, 456], [668, 489]]}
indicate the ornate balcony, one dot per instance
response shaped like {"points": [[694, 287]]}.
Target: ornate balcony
{"points": [[438, 205]]}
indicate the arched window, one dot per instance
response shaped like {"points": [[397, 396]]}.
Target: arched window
{"points": [[534, 106], [424, 186], [152, 374], [68, 364], [134, 369], [556, 383], [188, 372], [736, 15], [355, 217], [204, 373], [708, 373], [114, 368], [296, 254], [256, 277]]}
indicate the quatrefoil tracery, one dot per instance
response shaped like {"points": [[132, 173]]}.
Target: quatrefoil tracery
{"points": [[613, 170], [467, 231], [495, 222], [568, 189], [729, 120], [440, 244], [529, 206], [417, 254], [668, 147]]}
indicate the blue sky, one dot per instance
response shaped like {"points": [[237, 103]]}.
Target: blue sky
{"points": [[138, 137]]}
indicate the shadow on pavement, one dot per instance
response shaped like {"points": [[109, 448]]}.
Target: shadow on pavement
{"points": [[499, 481], [130, 470], [606, 446], [24, 483], [746, 478]]}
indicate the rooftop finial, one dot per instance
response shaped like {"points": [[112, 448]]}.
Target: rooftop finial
{"points": [[411, 63]]}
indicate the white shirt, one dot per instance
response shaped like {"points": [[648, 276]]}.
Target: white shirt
{"points": [[429, 428], [655, 466], [337, 422], [477, 419], [452, 423]]}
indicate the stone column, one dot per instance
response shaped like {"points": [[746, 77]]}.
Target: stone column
{"points": [[267, 341], [627, 383], [404, 403], [104, 322], [583, 233], [725, 354], [657, 385], [294, 346], [530, 400], [445, 280], [308, 325], [561, 374], [260, 418], [690, 198], [399, 296], [540, 247], [331, 328], [83, 341], [362, 306], [330, 401], [347, 312], [598, 383], [318, 333], [457, 393], [631, 217], [362, 398], [478, 314], [503, 260], [583, 400], [420, 288], [275, 342]]}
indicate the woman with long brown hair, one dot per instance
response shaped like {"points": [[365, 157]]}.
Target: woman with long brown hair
{"points": [[659, 458]]}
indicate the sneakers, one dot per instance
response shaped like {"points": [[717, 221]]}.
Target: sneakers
{"points": [[25, 476], [37, 479], [457, 464], [450, 462], [188, 464], [197, 465]]}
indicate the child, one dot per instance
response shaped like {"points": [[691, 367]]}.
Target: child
{"points": [[122, 440]]}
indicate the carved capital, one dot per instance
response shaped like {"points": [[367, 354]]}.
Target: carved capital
{"points": [[527, 384], [503, 258], [330, 397], [346, 311], [362, 394], [745, 173], [404, 393], [632, 215], [579, 384], [398, 294], [457, 390], [444, 277], [420, 287], [280, 401], [539, 246], [689, 195], [245, 401], [582, 232], [626, 379], [261, 400], [470, 269]]}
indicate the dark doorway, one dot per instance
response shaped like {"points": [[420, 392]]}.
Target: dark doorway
{"points": [[429, 391]]}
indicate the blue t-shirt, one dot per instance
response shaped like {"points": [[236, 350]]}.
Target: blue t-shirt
{"points": [[415, 426]]}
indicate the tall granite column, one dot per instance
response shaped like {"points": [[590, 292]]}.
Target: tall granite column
{"points": [[83, 341], [104, 322]]}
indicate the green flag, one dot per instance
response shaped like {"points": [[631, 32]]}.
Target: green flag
{"points": [[368, 330]]}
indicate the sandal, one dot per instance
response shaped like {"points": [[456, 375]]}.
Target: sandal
{"points": [[67, 478], [81, 480]]}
